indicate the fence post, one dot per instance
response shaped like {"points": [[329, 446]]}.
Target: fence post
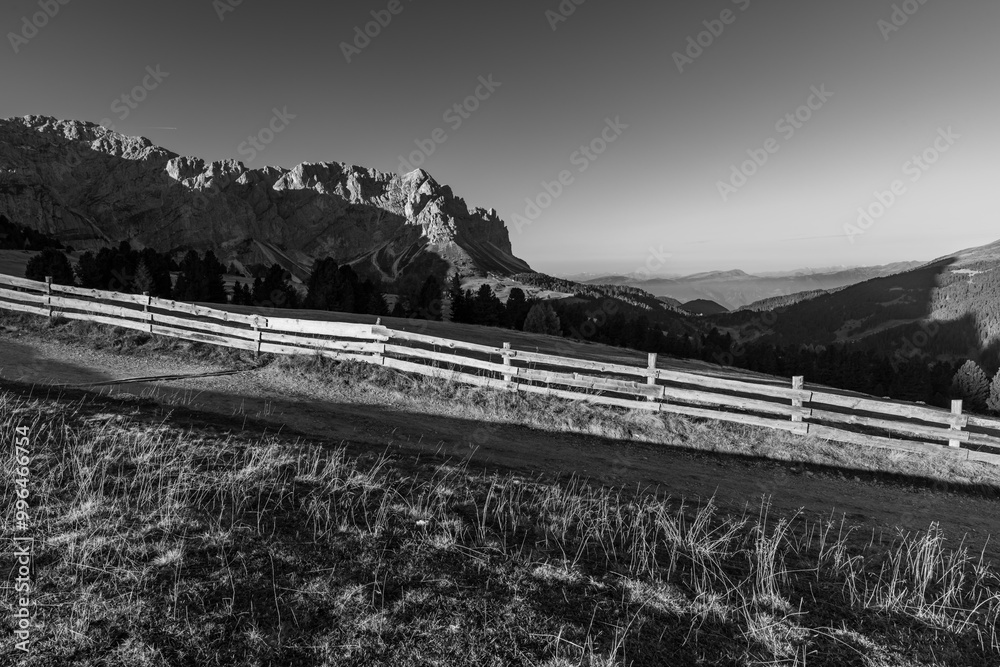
{"points": [[507, 362], [48, 294], [651, 377], [145, 309], [956, 409], [256, 331], [798, 383]]}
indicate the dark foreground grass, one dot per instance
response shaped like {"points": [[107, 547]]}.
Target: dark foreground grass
{"points": [[158, 545]]}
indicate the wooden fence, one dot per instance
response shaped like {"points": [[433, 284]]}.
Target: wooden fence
{"points": [[841, 417]]}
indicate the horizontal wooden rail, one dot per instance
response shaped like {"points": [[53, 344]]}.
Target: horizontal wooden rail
{"points": [[855, 419]]}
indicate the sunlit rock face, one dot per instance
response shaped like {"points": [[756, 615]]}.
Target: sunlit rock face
{"points": [[90, 187]]}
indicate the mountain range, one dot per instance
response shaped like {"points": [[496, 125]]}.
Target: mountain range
{"points": [[90, 187], [735, 289]]}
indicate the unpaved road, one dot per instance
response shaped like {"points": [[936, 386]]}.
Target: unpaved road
{"points": [[737, 483]]}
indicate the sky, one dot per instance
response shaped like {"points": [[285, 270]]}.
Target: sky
{"points": [[640, 135]]}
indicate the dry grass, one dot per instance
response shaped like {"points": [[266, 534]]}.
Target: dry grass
{"points": [[158, 545]]}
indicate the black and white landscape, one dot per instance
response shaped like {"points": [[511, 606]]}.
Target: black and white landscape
{"points": [[559, 333]]}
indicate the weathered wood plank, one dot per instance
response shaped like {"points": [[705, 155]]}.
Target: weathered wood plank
{"points": [[202, 311], [291, 350], [109, 321], [582, 364], [221, 329], [780, 424], [100, 294], [14, 281], [589, 398], [589, 382], [722, 400], [984, 422], [63, 303], [896, 426], [456, 359], [984, 440], [317, 327], [840, 435], [442, 342], [734, 385], [23, 308], [26, 297], [211, 339], [321, 343], [885, 408]]}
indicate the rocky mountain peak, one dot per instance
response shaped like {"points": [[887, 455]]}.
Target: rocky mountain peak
{"points": [[89, 185]]}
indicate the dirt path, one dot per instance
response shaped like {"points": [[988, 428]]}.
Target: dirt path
{"points": [[737, 483]]}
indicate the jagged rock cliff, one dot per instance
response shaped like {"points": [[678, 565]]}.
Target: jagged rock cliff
{"points": [[89, 186]]}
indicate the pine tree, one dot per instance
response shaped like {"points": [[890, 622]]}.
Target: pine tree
{"points": [[516, 308], [213, 271], [143, 281], [50, 262], [486, 307], [993, 402], [459, 305], [190, 284], [972, 385], [429, 299], [542, 319]]}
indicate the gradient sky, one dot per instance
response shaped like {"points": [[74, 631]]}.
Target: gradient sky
{"points": [[655, 187]]}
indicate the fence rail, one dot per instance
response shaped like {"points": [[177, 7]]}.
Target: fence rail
{"points": [[797, 409]]}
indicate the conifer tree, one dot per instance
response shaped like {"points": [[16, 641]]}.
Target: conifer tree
{"points": [[972, 385]]}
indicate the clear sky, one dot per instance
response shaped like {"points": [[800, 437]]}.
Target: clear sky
{"points": [[225, 67]]}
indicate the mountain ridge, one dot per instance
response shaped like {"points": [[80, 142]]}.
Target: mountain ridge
{"points": [[90, 186]]}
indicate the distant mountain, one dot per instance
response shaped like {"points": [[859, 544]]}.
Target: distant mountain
{"points": [[734, 289], [608, 280], [704, 307], [90, 187], [670, 301], [946, 309]]}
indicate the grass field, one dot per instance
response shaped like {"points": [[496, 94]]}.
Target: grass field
{"points": [[210, 545]]}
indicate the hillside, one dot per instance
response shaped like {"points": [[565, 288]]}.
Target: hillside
{"points": [[89, 186], [948, 308], [775, 302], [704, 307]]}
